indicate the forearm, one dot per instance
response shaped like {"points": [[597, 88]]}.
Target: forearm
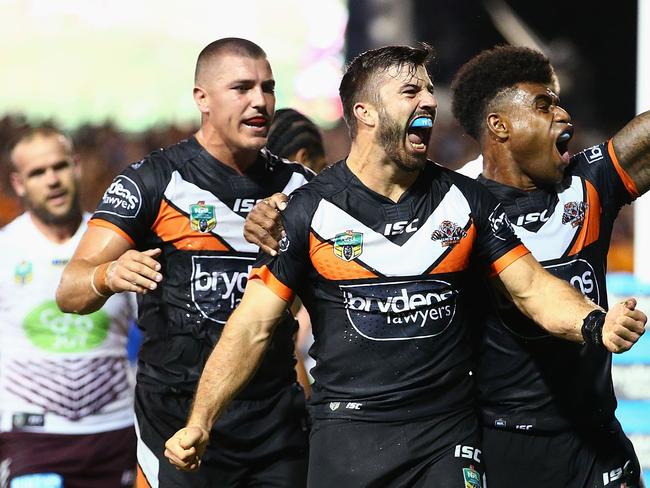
{"points": [[83, 287], [556, 306], [230, 366]]}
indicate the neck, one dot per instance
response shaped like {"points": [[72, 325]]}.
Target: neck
{"points": [[237, 159], [377, 171], [500, 166], [58, 233]]}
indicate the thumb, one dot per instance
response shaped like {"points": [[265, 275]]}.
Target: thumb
{"points": [[630, 303]]}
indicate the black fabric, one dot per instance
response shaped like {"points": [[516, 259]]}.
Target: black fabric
{"points": [[254, 443], [569, 459]]}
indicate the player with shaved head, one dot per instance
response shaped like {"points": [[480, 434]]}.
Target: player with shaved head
{"points": [[170, 228]]}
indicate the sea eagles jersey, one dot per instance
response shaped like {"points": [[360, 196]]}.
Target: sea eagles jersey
{"points": [[528, 379], [193, 207], [383, 283], [59, 373]]}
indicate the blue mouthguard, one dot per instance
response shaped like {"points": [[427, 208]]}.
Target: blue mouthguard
{"points": [[422, 122]]}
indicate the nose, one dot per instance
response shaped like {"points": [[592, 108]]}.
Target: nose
{"points": [[258, 98], [52, 177], [428, 101], [561, 115]]}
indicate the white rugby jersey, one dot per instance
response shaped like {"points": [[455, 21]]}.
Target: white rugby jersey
{"points": [[59, 373]]}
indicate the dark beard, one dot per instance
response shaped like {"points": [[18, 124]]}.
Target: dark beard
{"points": [[391, 136], [73, 215]]}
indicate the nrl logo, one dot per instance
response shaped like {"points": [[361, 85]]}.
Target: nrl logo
{"points": [[202, 217], [448, 233], [348, 245], [574, 213], [472, 477], [334, 406]]}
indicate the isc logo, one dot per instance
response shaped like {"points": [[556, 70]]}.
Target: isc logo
{"points": [[532, 217], [468, 452], [401, 227], [612, 475], [245, 204]]}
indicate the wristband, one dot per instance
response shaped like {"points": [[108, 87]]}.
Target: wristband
{"points": [[92, 284], [592, 327]]}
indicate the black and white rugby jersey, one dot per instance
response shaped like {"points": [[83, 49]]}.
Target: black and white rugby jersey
{"points": [[384, 283], [528, 379], [193, 207]]}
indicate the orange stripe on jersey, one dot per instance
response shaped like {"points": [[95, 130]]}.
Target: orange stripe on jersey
{"points": [[332, 268], [507, 259], [141, 479], [174, 227], [458, 257], [590, 229], [269, 279], [625, 178], [99, 222]]}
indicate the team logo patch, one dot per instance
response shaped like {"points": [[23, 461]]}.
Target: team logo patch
{"points": [[472, 478], [202, 217], [348, 245], [23, 273], [574, 213], [284, 244], [448, 233], [122, 198], [334, 406]]}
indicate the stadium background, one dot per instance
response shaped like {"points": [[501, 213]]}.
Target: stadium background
{"points": [[118, 76]]}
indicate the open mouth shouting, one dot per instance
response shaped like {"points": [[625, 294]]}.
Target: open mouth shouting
{"points": [[419, 132], [258, 123], [562, 144]]}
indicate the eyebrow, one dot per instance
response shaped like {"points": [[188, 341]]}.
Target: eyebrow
{"points": [[428, 86]]}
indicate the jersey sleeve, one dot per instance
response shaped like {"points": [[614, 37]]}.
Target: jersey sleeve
{"points": [[284, 273], [130, 205], [600, 165], [497, 245]]}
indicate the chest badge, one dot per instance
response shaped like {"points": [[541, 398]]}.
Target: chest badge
{"points": [[202, 218], [448, 233], [348, 245], [574, 213], [23, 273]]}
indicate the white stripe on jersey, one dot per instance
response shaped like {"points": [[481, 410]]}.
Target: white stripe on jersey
{"points": [[229, 225], [553, 239], [383, 255]]}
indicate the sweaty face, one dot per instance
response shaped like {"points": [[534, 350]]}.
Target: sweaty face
{"points": [[240, 101], [46, 178], [540, 131], [406, 114]]}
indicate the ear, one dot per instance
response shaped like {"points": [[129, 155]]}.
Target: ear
{"points": [[302, 156], [497, 126], [17, 184], [365, 114], [201, 99]]}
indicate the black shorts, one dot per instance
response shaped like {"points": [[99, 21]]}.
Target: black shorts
{"points": [[254, 443], [441, 451], [102, 460], [600, 458]]}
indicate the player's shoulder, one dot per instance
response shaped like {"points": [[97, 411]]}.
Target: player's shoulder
{"points": [[164, 161], [18, 228]]}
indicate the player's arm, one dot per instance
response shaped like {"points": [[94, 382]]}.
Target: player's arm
{"points": [[561, 309], [105, 263], [231, 364], [632, 148]]}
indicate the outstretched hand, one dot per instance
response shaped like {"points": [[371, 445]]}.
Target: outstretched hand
{"points": [[263, 226], [624, 326], [186, 447]]}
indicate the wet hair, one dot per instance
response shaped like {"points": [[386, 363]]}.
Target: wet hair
{"points": [[357, 83], [28, 134], [478, 82], [227, 45], [291, 131]]}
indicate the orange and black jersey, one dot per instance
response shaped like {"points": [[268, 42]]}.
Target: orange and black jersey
{"points": [[193, 207], [383, 283], [526, 378]]}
